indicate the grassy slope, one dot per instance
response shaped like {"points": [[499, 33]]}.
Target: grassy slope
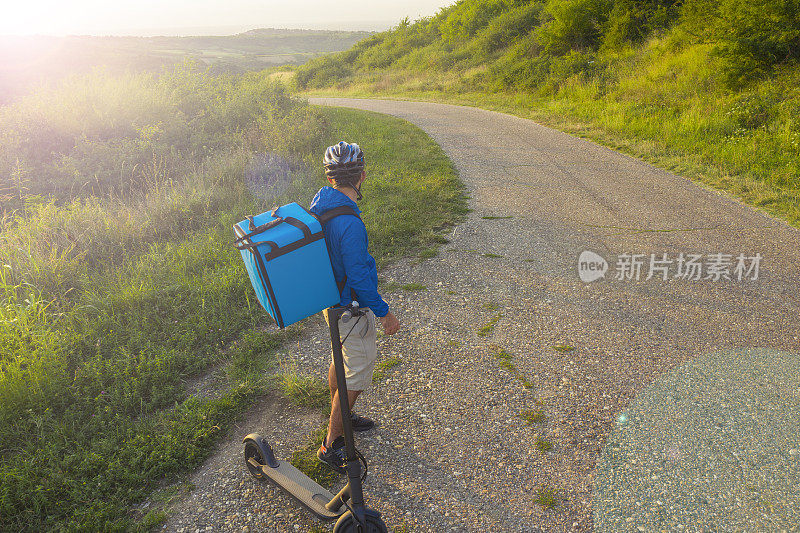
{"points": [[112, 307], [664, 99]]}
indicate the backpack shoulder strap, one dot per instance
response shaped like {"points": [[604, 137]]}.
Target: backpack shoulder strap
{"points": [[335, 212], [329, 215]]}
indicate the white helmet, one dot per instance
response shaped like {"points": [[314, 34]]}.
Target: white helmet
{"points": [[343, 161]]}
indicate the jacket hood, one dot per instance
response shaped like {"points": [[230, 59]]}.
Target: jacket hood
{"points": [[327, 198]]}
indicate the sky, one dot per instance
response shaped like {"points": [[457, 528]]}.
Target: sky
{"points": [[203, 17]]}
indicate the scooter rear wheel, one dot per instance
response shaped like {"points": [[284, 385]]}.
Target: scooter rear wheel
{"points": [[251, 451], [347, 524]]}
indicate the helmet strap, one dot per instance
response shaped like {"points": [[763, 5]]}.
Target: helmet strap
{"points": [[350, 184]]}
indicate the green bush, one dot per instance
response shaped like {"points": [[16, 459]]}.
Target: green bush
{"points": [[517, 40], [573, 25], [506, 27], [755, 36], [699, 18], [323, 72], [468, 16], [752, 110], [500, 44], [632, 21]]}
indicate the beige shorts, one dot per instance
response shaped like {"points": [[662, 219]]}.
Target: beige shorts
{"points": [[360, 350]]}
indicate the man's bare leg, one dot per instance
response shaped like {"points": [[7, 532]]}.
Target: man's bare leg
{"points": [[332, 381], [335, 427]]}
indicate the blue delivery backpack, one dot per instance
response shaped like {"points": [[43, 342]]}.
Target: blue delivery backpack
{"points": [[286, 256]]}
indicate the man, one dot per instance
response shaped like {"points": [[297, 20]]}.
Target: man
{"points": [[357, 276]]}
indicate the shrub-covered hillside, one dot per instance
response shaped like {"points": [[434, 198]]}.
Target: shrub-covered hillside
{"points": [[533, 44], [707, 88]]}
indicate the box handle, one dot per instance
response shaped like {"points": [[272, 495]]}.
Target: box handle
{"points": [[239, 243]]}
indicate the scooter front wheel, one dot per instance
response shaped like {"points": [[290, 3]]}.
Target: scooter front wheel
{"points": [[347, 524]]}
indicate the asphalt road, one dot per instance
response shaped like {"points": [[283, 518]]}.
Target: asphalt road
{"points": [[575, 195], [553, 197]]}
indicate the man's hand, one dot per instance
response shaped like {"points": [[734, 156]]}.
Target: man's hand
{"points": [[390, 323]]}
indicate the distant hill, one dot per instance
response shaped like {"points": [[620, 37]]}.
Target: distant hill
{"points": [[26, 61]]}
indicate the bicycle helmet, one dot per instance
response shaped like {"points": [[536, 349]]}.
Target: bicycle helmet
{"points": [[343, 161]]}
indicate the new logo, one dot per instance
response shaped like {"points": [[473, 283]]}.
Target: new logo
{"points": [[591, 266]]}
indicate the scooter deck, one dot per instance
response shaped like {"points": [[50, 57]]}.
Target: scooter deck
{"points": [[301, 487]]}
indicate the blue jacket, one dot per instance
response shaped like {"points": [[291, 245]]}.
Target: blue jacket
{"points": [[347, 244]]}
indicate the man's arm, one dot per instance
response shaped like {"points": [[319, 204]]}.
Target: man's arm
{"points": [[358, 269]]}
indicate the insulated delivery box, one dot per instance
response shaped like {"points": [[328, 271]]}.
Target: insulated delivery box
{"points": [[287, 260]]}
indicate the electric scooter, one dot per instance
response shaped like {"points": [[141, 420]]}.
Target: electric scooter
{"points": [[351, 517]]}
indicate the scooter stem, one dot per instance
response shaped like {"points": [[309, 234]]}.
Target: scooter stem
{"points": [[353, 466]]}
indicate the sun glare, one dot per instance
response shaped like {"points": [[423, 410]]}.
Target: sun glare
{"points": [[25, 30], [24, 19], [45, 18]]}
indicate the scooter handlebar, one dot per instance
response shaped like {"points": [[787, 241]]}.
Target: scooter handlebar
{"points": [[352, 310]]}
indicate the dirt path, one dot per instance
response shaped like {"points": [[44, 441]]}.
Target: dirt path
{"points": [[453, 451]]}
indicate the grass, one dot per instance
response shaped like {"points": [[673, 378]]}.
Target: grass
{"points": [[112, 307], [251, 356], [428, 253], [507, 361], [306, 391], [496, 217], [562, 347], [158, 502], [491, 255], [488, 329], [547, 497], [411, 287], [533, 417], [381, 368], [151, 520], [543, 445], [305, 460], [117, 297]]}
